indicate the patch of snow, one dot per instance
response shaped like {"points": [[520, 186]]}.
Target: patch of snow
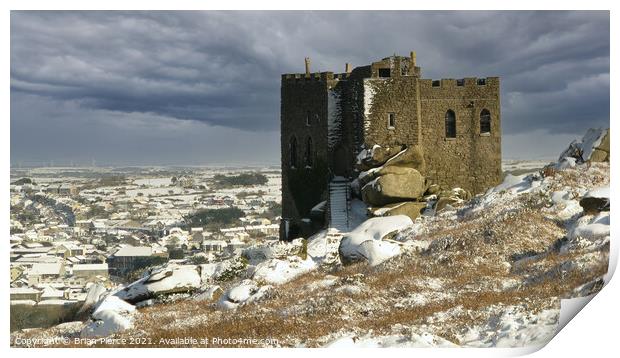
{"points": [[209, 294], [334, 118], [510, 327], [327, 281], [369, 93], [107, 323], [111, 316], [278, 271], [413, 340], [246, 291], [515, 183], [591, 140], [365, 241], [600, 192]]}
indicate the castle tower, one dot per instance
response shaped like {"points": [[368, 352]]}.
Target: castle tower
{"points": [[327, 118]]}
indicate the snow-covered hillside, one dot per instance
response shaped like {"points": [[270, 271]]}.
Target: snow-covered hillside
{"points": [[489, 272]]}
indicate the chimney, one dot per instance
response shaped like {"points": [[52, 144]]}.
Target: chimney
{"points": [[307, 59], [347, 68], [412, 58]]}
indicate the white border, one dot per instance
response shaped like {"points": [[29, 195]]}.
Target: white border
{"points": [[592, 332]]}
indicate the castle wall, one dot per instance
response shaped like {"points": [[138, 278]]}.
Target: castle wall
{"points": [[471, 160], [398, 96], [303, 186]]}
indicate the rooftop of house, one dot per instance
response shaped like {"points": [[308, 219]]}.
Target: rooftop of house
{"points": [[90, 267], [23, 291], [131, 251], [46, 269]]}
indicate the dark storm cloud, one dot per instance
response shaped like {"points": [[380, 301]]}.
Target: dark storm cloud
{"points": [[223, 68]]}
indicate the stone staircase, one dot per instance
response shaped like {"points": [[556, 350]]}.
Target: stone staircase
{"points": [[339, 196]]}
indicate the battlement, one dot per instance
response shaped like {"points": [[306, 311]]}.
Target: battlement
{"points": [[467, 82], [315, 76]]}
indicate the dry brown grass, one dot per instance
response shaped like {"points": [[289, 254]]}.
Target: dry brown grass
{"points": [[471, 257]]}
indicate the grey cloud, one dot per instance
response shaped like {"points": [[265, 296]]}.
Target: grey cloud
{"points": [[223, 68]]}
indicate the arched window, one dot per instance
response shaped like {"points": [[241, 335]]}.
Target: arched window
{"points": [[485, 121], [309, 155], [292, 148], [450, 124]]}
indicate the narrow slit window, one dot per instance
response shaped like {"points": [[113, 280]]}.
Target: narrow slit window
{"points": [[450, 124], [293, 152], [485, 121], [308, 119], [309, 153], [391, 120]]}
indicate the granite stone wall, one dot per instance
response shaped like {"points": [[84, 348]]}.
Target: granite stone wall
{"points": [[472, 160]]}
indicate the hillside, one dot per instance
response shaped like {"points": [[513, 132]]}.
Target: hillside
{"points": [[488, 272]]}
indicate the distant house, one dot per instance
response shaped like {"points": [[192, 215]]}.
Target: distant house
{"points": [[129, 258], [90, 271], [214, 245], [51, 293], [25, 293], [45, 272]]}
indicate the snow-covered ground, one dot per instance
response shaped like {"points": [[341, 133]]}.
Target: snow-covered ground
{"points": [[490, 272]]}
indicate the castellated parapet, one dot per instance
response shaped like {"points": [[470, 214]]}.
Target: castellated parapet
{"points": [[327, 118]]}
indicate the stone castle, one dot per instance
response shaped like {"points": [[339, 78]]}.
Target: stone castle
{"points": [[382, 119]]}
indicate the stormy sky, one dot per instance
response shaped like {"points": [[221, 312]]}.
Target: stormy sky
{"points": [[191, 87]]}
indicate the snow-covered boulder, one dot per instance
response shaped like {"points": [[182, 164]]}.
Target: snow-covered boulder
{"points": [[593, 147], [279, 271], [166, 280], [211, 293], [596, 200], [366, 242], [111, 316], [107, 323], [376, 156], [113, 303], [94, 294], [223, 270], [277, 249], [412, 209], [247, 291], [589, 232]]}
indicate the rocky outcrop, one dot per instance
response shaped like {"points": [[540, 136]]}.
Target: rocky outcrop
{"points": [[451, 197], [595, 201], [111, 316], [376, 156], [593, 147], [95, 293], [166, 280], [407, 185], [391, 183], [412, 209]]}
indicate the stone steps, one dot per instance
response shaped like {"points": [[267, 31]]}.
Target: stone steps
{"points": [[339, 194]]}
